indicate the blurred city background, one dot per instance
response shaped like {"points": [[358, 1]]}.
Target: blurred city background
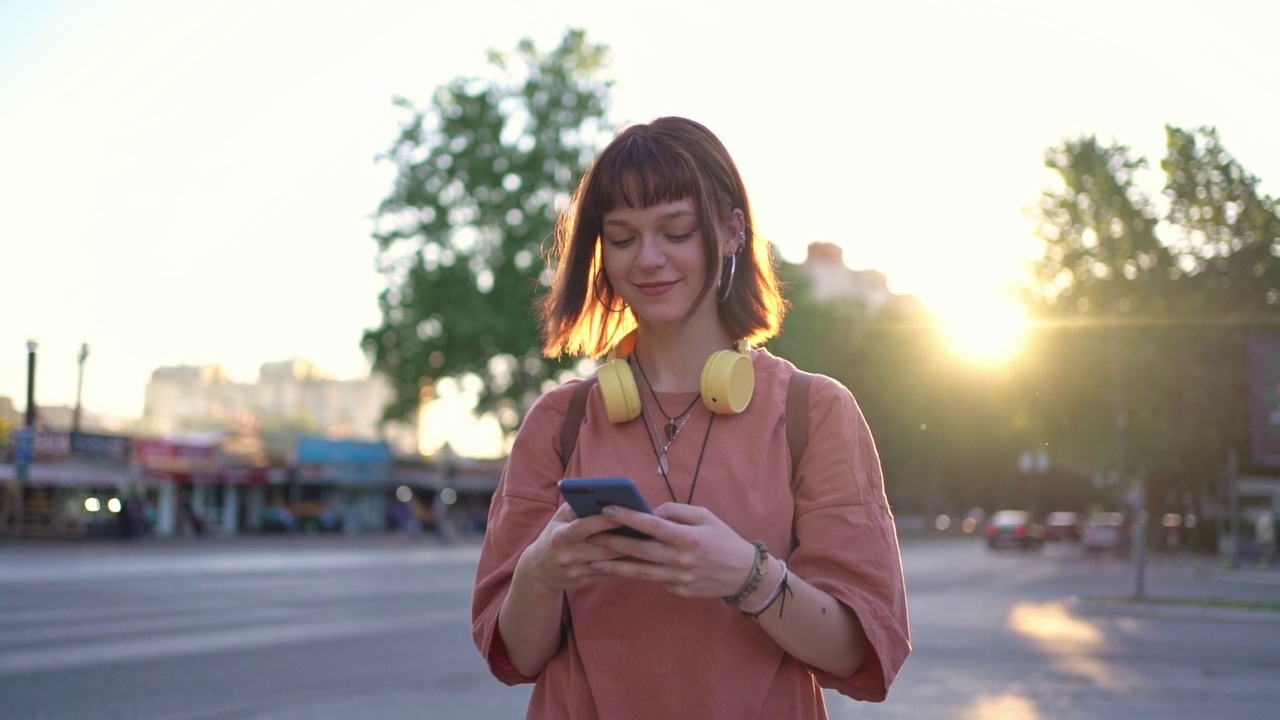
{"points": [[268, 271]]}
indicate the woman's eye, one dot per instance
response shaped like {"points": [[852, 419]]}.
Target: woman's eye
{"points": [[618, 242], [680, 236]]}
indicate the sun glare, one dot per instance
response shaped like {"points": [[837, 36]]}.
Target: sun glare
{"points": [[989, 331]]}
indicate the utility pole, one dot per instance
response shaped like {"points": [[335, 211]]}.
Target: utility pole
{"points": [[1138, 496], [25, 447], [1233, 504], [31, 384], [75, 416]]}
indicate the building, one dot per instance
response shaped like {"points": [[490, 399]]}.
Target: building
{"points": [[292, 394], [832, 280], [8, 413]]}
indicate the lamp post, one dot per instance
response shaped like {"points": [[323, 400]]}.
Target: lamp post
{"points": [[75, 415], [31, 384], [25, 446]]}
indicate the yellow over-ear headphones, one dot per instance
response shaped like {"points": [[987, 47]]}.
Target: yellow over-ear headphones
{"points": [[728, 380]]}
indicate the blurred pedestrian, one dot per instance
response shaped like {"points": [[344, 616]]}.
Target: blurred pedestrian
{"points": [[759, 587], [1264, 532]]}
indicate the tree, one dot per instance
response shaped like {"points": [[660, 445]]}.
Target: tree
{"points": [[481, 173], [1103, 278], [1229, 233], [1226, 236], [1142, 355]]}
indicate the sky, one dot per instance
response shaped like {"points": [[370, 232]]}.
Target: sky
{"points": [[192, 183]]}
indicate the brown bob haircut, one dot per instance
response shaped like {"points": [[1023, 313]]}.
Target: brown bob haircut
{"points": [[669, 159]]}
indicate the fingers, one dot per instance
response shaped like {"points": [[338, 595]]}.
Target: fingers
{"points": [[683, 514], [560, 559], [577, 530], [693, 553]]}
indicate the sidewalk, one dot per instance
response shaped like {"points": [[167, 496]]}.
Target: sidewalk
{"points": [[1196, 587]]}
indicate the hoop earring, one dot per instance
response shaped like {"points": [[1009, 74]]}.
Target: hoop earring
{"points": [[595, 291], [725, 287]]}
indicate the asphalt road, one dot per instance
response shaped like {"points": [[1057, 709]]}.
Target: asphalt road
{"points": [[377, 628]]}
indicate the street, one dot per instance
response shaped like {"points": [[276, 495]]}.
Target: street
{"points": [[377, 627]]}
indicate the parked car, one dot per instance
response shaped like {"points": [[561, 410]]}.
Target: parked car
{"points": [[1014, 528], [1063, 527], [1104, 531]]}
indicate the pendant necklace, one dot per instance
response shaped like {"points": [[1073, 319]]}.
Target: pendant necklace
{"points": [[662, 456], [671, 436], [672, 429]]}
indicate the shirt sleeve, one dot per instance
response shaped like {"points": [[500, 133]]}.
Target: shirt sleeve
{"points": [[847, 543], [525, 499]]}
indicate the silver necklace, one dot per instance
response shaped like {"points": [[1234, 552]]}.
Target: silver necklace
{"points": [[662, 459], [671, 428], [672, 434]]}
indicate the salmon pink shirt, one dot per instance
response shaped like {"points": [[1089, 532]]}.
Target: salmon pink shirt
{"points": [[631, 650]]}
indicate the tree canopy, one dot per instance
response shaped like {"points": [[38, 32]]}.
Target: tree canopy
{"points": [[1144, 319], [482, 171]]}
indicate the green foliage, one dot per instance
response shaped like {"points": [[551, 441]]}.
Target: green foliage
{"points": [[1226, 233], [1140, 361], [481, 173], [1102, 255], [807, 338]]}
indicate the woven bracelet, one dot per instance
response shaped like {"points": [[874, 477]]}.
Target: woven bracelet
{"points": [[758, 569], [774, 594]]}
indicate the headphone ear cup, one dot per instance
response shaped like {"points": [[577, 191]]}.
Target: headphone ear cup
{"points": [[618, 387], [728, 380]]}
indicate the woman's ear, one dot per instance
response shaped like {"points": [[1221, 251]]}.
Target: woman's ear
{"points": [[736, 232]]}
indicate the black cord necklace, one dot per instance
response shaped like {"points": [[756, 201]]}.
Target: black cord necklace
{"points": [[671, 428], [662, 464]]}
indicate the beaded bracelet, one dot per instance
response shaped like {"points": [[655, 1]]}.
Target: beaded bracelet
{"points": [[774, 594], [758, 570]]}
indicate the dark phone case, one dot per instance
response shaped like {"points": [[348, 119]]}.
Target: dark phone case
{"points": [[588, 496]]}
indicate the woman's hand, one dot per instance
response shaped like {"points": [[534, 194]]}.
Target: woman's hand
{"points": [[562, 558], [693, 553]]}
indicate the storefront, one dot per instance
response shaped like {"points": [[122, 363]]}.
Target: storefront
{"points": [[342, 485], [190, 498], [75, 487]]}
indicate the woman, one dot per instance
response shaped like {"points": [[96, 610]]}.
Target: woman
{"points": [[758, 588]]}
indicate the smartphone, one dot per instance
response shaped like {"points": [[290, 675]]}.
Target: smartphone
{"points": [[588, 496]]}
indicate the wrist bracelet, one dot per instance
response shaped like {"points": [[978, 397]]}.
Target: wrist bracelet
{"points": [[774, 594], [754, 576]]}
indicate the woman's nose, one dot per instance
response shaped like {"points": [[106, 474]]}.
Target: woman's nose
{"points": [[651, 252]]}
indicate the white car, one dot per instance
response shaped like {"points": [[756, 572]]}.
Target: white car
{"points": [[1104, 531]]}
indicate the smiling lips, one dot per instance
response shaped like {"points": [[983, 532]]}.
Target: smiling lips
{"points": [[655, 288]]}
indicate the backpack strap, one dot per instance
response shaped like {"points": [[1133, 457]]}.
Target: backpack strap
{"points": [[573, 417], [798, 418]]}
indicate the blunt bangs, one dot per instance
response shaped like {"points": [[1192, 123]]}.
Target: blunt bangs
{"points": [[641, 173]]}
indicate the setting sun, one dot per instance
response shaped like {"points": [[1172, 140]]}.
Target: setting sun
{"points": [[989, 331]]}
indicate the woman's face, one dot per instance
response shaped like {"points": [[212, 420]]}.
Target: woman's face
{"points": [[653, 258]]}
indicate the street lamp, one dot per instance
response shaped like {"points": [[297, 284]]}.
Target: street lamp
{"points": [[31, 383], [25, 446], [75, 416]]}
